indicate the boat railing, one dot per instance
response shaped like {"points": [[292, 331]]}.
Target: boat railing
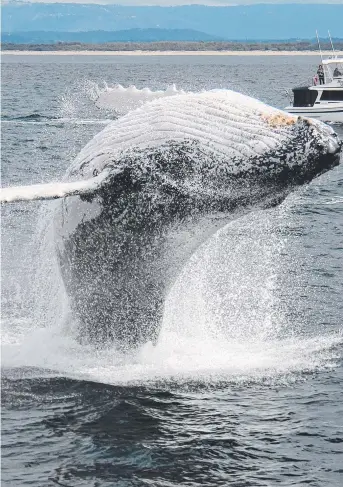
{"points": [[289, 94], [328, 77]]}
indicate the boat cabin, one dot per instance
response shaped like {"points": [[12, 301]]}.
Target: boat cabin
{"points": [[306, 96], [331, 92], [323, 98], [333, 70]]}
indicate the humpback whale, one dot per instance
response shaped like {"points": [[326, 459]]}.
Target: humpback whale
{"points": [[156, 183]]}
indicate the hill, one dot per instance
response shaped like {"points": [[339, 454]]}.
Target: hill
{"points": [[101, 36], [175, 46], [262, 21]]}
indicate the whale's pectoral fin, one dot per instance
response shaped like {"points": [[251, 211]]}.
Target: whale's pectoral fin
{"points": [[51, 191]]}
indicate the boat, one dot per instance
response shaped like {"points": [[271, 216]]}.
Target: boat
{"points": [[321, 101]]}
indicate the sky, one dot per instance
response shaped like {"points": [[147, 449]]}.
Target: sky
{"points": [[188, 2]]}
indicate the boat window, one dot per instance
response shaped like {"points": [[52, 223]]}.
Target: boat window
{"points": [[337, 70], [303, 97], [333, 71], [332, 95]]}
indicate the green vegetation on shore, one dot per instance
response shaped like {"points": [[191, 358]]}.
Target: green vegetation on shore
{"points": [[173, 46]]}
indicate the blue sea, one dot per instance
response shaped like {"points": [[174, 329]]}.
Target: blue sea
{"points": [[262, 407]]}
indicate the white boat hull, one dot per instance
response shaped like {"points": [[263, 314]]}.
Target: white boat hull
{"points": [[325, 114]]}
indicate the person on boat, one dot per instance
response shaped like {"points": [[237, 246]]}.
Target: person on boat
{"points": [[337, 73], [320, 73]]}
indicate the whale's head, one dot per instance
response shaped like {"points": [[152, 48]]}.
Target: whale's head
{"points": [[214, 149], [310, 148]]}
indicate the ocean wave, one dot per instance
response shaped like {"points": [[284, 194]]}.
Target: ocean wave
{"points": [[53, 121]]}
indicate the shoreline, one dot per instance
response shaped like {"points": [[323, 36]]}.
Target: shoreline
{"points": [[168, 53]]}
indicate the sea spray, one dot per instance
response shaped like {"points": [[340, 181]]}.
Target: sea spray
{"points": [[121, 99], [223, 318]]}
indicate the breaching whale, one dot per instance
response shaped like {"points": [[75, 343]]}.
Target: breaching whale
{"points": [[145, 192]]}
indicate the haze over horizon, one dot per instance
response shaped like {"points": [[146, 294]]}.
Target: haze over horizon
{"points": [[272, 21], [169, 3]]}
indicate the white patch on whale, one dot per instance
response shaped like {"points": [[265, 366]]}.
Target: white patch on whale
{"points": [[50, 191]]}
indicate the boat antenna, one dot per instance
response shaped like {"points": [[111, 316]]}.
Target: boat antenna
{"points": [[320, 49], [333, 49]]}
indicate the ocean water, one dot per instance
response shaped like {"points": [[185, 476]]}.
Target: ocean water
{"points": [[244, 387]]}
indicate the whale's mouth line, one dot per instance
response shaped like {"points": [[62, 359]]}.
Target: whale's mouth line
{"points": [[327, 162]]}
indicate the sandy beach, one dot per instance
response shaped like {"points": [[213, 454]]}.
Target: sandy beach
{"points": [[169, 53]]}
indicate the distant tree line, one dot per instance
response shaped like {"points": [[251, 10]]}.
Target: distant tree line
{"points": [[174, 46]]}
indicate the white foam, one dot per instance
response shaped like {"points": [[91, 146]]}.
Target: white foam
{"points": [[176, 357], [59, 121], [122, 100], [335, 201]]}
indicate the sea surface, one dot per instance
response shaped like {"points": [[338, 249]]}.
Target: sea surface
{"points": [[244, 387]]}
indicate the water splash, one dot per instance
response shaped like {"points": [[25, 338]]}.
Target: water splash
{"points": [[122, 100], [224, 318]]}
